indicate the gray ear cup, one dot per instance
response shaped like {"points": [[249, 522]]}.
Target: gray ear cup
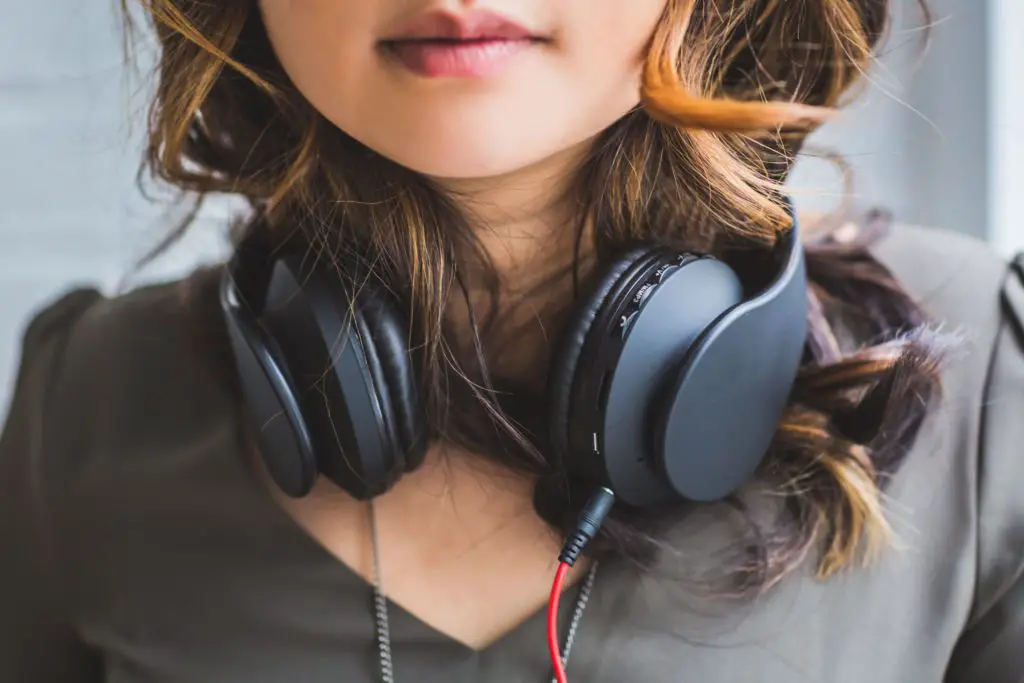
{"points": [[712, 432], [671, 379], [629, 366]]}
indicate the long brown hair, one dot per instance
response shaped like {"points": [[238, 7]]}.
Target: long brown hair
{"points": [[730, 90]]}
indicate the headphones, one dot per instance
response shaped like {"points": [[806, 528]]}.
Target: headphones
{"points": [[668, 382]]}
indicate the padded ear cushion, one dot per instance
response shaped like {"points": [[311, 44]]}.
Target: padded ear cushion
{"points": [[387, 355], [562, 372]]}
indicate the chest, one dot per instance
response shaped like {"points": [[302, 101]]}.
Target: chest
{"points": [[296, 619], [222, 590]]}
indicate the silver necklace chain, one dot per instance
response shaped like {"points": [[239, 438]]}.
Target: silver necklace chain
{"points": [[380, 605]]}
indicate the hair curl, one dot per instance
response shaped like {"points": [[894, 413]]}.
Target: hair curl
{"points": [[730, 89]]}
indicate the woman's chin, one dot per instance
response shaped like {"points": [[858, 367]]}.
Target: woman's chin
{"points": [[466, 158], [461, 147], [459, 163]]}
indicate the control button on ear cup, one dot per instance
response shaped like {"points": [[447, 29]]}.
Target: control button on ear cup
{"points": [[629, 314], [626, 322], [665, 271], [641, 296], [662, 273], [562, 371]]}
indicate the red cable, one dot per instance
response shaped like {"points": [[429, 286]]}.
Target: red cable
{"points": [[553, 648], [589, 523]]}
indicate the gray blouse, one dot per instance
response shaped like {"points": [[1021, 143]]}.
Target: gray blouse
{"points": [[137, 547]]}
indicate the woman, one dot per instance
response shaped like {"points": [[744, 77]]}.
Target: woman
{"points": [[463, 178]]}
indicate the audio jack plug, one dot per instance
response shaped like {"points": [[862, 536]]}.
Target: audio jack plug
{"points": [[590, 520]]}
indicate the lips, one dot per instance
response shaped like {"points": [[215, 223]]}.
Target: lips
{"points": [[478, 44], [474, 26]]}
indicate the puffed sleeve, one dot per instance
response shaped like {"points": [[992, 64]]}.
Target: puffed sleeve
{"points": [[38, 640], [991, 649]]}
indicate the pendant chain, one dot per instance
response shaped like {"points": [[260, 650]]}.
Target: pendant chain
{"points": [[380, 605]]}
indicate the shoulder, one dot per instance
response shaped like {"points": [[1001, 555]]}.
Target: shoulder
{"points": [[960, 282], [43, 342], [106, 378], [43, 349], [968, 288], [36, 640], [144, 349], [123, 437], [955, 277]]}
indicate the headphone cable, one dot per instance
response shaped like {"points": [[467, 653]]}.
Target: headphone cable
{"points": [[589, 523]]}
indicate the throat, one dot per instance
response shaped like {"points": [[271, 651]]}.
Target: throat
{"points": [[527, 225]]}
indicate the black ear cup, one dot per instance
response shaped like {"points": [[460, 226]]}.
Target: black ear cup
{"points": [[282, 434], [386, 344], [565, 360], [349, 375]]}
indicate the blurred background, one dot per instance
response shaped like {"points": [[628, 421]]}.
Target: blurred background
{"points": [[937, 136]]}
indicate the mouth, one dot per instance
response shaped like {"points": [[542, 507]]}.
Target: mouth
{"points": [[444, 45]]}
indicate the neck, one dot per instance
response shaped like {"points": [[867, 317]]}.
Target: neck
{"points": [[524, 219], [526, 225]]}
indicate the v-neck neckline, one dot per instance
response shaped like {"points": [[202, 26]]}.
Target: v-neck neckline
{"points": [[399, 616]]}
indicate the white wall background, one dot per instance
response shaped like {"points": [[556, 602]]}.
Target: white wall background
{"points": [[918, 137], [937, 138], [70, 119], [1006, 123]]}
